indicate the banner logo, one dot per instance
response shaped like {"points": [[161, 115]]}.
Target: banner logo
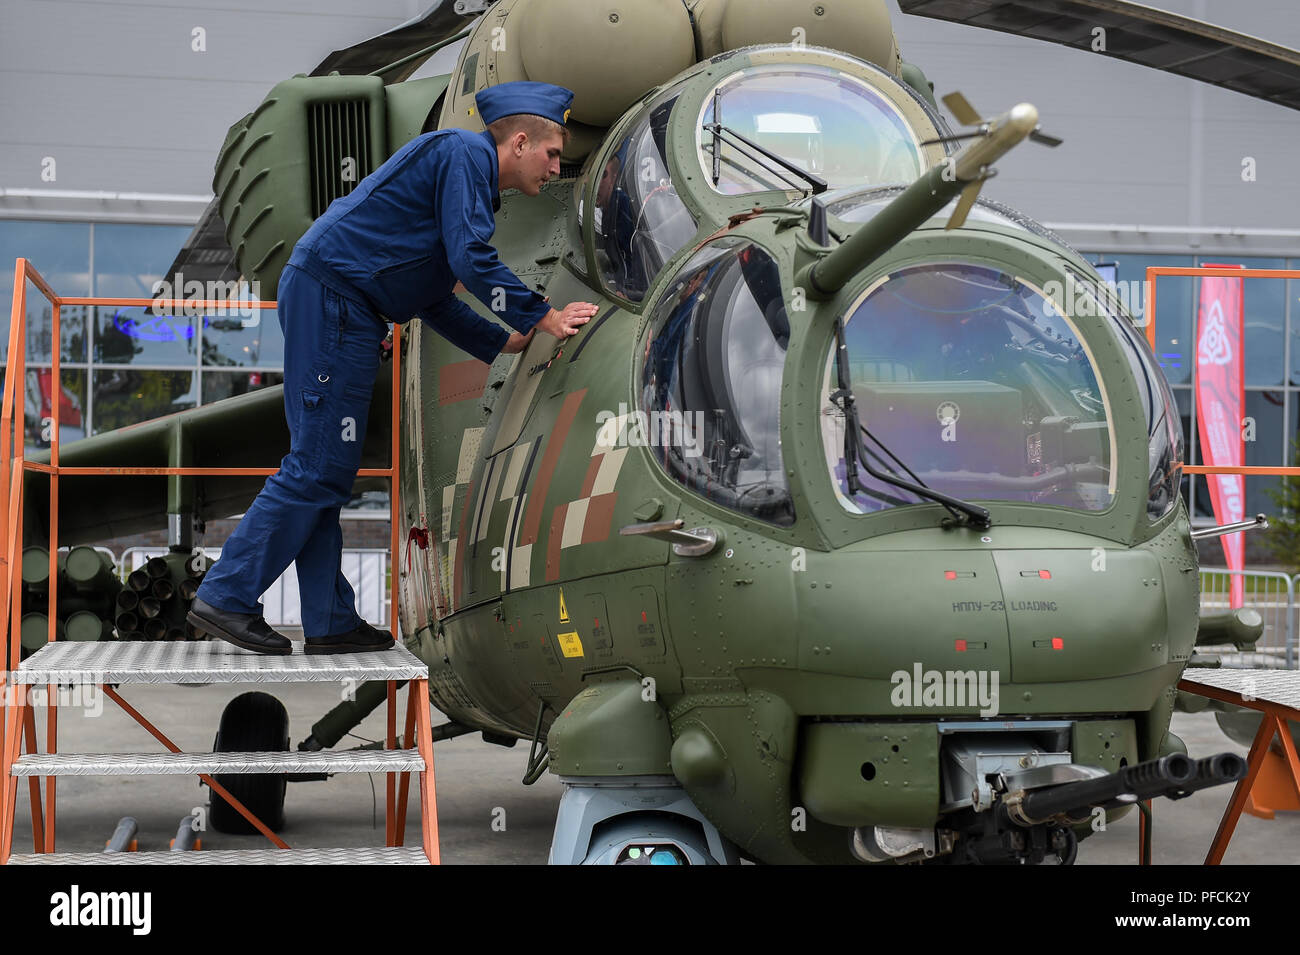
{"points": [[1215, 347]]}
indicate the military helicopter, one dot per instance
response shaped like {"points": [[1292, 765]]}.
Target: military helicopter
{"points": [[840, 533]]}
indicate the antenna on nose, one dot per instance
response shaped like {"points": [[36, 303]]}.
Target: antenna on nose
{"points": [[819, 229]]}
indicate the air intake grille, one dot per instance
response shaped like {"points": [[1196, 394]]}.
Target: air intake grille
{"points": [[339, 146]]}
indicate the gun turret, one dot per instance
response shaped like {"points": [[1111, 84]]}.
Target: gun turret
{"points": [[1174, 776]]}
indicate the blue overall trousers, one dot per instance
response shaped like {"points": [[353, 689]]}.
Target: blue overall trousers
{"points": [[331, 358]]}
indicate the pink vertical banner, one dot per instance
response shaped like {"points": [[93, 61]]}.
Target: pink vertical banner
{"points": [[1220, 400]]}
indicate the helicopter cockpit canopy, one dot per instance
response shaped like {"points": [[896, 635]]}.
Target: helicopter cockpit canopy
{"points": [[639, 221], [979, 384], [710, 379], [651, 187], [860, 206], [817, 117]]}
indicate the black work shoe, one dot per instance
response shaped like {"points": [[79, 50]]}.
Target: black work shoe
{"points": [[247, 630], [361, 639]]}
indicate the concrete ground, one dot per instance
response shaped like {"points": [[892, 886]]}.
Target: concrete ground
{"points": [[479, 783]]}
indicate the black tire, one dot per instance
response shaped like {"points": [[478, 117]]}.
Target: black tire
{"points": [[251, 723]]}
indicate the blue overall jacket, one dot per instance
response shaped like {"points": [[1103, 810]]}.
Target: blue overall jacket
{"points": [[400, 240]]}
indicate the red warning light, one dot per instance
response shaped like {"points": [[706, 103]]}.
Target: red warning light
{"points": [[1058, 643], [960, 646], [950, 575], [643, 616], [1045, 574]]}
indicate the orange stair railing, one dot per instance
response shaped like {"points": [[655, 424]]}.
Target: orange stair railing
{"points": [[15, 729]]}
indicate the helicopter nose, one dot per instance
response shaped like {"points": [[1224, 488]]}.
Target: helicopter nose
{"points": [[1036, 613]]}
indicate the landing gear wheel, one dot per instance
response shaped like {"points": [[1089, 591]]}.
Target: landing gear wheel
{"points": [[251, 723], [1065, 846]]}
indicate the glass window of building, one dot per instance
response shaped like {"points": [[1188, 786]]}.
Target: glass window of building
{"points": [[243, 337], [1269, 333], [60, 252], [137, 336], [126, 396], [227, 384], [1293, 322], [129, 261], [38, 413], [1263, 320], [125, 365]]}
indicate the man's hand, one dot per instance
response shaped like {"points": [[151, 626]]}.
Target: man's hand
{"points": [[564, 323], [517, 343]]}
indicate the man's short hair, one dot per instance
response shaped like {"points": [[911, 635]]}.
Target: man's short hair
{"points": [[536, 127]]}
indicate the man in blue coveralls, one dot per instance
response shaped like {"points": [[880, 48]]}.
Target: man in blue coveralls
{"points": [[391, 249]]}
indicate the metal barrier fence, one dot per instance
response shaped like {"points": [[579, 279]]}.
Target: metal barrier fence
{"points": [[366, 569], [1269, 593]]}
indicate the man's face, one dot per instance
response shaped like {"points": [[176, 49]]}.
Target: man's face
{"points": [[605, 188], [539, 161]]}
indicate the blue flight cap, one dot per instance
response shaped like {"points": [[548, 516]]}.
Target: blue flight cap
{"points": [[524, 96]]}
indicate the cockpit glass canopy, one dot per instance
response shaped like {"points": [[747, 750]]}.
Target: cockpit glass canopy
{"points": [[1164, 425], [863, 205], [711, 380], [639, 220], [978, 385], [816, 117]]}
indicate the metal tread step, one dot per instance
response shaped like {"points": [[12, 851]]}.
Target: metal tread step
{"points": [[203, 661], [1271, 686], [360, 855], [184, 764]]}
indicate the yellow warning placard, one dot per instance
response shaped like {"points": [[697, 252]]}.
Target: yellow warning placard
{"points": [[570, 643], [564, 614]]}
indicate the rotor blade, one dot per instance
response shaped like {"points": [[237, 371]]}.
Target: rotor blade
{"points": [[962, 109], [1130, 31], [965, 204], [437, 23], [1046, 139]]}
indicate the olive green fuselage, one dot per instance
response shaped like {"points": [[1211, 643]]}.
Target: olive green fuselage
{"points": [[782, 646], [801, 678]]}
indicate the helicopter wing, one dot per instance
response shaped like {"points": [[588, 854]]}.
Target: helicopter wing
{"points": [[1139, 34], [206, 255]]}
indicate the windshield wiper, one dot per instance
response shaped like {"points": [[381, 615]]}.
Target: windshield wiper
{"points": [[818, 184], [855, 451]]}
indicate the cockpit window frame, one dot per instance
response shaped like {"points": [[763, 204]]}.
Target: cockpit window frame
{"points": [[598, 159], [698, 192], [723, 247], [795, 192], [853, 302], [704, 204]]}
